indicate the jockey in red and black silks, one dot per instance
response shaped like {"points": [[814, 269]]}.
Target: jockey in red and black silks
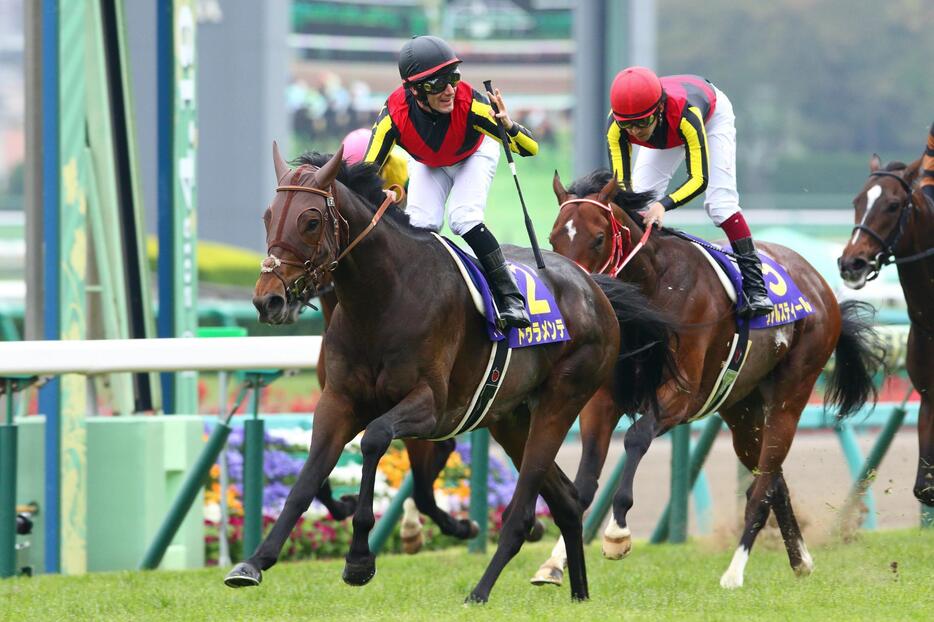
{"points": [[675, 118], [927, 168], [450, 131], [440, 139], [690, 102]]}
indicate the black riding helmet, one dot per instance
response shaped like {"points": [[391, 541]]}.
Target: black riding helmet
{"points": [[425, 57]]}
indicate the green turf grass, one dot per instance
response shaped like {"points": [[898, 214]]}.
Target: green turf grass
{"points": [[851, 582]]}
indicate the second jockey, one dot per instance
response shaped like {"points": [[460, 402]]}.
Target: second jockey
{"points": [[677, 118]]}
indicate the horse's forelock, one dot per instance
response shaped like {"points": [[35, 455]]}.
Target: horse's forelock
{"points": [[594, 182], [895, 165], [361, 177]]}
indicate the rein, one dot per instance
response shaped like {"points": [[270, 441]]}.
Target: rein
{"points": [[308, 284], [886, 254]]}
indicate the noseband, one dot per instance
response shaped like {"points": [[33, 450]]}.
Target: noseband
{"points": [[621, 241], [307, 284], [886, 254]]}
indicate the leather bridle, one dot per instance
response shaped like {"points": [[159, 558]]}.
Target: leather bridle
{"points": [[886, 254], [308, 283], [620, 238]]}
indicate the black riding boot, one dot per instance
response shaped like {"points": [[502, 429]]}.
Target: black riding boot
{"points": [[755, 299], [509, 300]]}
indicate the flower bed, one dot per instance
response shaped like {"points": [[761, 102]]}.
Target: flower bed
{"points": [[317, 534]]}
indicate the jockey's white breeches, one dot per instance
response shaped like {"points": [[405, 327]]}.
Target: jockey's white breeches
{"points": [[464, 186]]}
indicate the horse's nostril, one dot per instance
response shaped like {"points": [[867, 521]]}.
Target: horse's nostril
{"points": [[269, 304], [858, 263]]}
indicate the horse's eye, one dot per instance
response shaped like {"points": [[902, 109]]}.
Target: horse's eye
{"points": [[598, 240], [893, 207], [312, 225]]}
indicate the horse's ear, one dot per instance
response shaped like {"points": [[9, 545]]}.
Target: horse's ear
{"points": [[609, 190], [329, 171], [281, 166], [557, 186], [875, 163], [911, 172]]}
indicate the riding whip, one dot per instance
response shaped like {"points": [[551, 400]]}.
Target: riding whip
{"points": [[488, 85]]}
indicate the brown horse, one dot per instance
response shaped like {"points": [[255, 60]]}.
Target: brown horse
{"points": [[406, 351], [427, 459], [895, 224], [772, 389]]}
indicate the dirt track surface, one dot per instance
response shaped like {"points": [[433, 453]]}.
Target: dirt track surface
{"points": [[815, 470]]}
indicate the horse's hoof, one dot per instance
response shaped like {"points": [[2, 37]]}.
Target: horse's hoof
{"points": [[476, 599], [243, 575], [804, 569], [473, 529], [731, 580], [548, 575], [411, 529], [359, 572], [536, 532], [925, 494], [617, 546], [411, 541]]}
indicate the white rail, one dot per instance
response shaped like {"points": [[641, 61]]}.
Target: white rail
{"points": [[102, 356]]}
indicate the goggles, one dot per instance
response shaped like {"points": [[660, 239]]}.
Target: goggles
{"points": [[433, 86], [639, 123]]}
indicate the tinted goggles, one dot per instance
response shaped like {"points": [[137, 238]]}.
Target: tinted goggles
{"points": [[433, 86], [639, 123]]}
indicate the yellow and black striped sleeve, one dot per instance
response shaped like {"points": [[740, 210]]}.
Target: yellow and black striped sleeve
{"points": [[382, 139], [483, 120], [927, 167], [620, 152], [691, 129]]}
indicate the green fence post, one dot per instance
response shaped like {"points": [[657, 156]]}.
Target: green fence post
{"points": [[387, 522], [479, 467], [8, 487], [193, 484], [604, 501], [253, 473], [864, 478], [698, 457], [680, 489], [854, 460]]}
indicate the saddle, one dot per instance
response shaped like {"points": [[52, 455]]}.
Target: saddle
{"points": [[547, 323]]}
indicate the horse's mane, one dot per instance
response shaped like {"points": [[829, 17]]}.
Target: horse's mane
{"points": [[895, 165], [594, 182], [362, 178]]}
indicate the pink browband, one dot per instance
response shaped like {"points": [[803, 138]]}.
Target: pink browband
{"points": [[619, 256]]}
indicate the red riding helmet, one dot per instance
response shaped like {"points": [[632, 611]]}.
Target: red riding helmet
{"points": [[424, 57], [635, 94]]}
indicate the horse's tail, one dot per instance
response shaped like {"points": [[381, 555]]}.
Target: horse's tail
{"points": [[859, 354], [646, 358]]}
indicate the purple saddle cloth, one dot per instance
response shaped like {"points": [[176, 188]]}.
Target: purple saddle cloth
{"points": [[790, 304], [547, 323]]}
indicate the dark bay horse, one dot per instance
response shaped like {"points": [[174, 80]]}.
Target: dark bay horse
{"points": [[772, 389], [895, 224], [406, 351], [426, 459]]}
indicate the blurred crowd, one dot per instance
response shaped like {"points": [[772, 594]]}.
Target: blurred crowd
{"points": [[330, 109]]}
